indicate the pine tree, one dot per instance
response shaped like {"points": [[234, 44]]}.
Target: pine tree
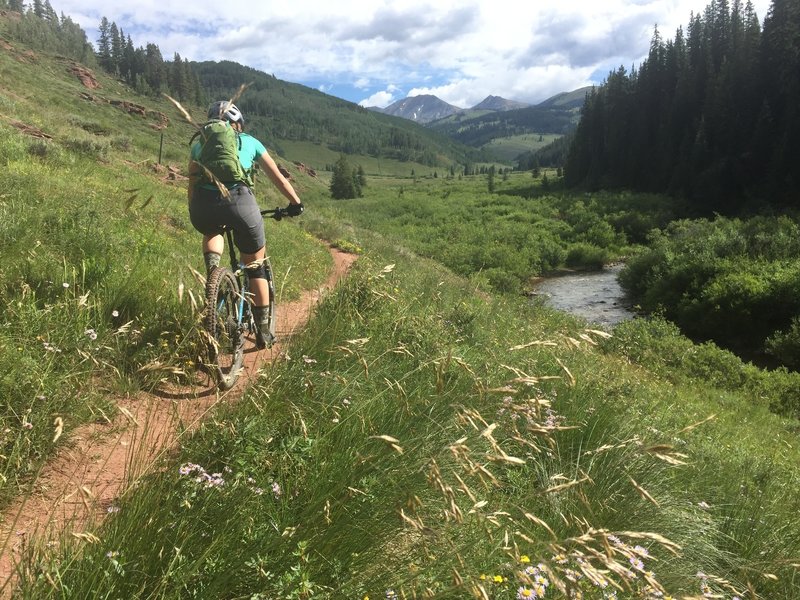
{"points": [[49, 14], [154, 69], [117, 47], [104, 45], [177, 78], [342, 181], [127, 65], [362, 177]]}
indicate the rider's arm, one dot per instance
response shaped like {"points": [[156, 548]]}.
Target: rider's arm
{"points": [[271, 169]]}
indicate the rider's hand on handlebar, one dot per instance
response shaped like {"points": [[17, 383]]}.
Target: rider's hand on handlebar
{"points": [[294, 210]]}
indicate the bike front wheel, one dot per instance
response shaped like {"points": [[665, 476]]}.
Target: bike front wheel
{"points": [[224, 327], [271, 291]]}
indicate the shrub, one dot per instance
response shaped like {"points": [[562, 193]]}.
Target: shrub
{"points": [[722, 280], [122, 142], [658, 345], [347, 246], [586, 255], [89, 125], [502, 280], [785, 345], [89, 148]]}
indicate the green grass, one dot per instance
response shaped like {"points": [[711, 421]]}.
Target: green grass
{"points": [[505, 239], [318, 157], [419, 440], [508, 148], [97, 282]]}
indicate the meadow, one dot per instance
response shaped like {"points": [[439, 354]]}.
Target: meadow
{"points": [[509, 148], [425, 440], [506, 239], [432, 433]]}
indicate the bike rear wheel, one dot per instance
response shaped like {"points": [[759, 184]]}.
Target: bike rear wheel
{"points": [[224, 327]]}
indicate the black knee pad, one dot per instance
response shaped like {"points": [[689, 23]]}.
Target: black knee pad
{"points": [[259, 272]]}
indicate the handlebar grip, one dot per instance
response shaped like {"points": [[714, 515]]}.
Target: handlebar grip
{"points": [[277, 213]]}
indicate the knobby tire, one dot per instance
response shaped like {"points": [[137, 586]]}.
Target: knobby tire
{"points": [[271, 287], [225, 332]]}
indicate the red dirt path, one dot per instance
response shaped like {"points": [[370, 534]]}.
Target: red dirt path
{"points": [[78, 487]]}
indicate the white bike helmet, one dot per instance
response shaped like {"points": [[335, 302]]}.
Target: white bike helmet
{"points": [[225, 110]]}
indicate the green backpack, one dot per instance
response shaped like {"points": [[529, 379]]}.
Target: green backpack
{"points": [[219, 154]]}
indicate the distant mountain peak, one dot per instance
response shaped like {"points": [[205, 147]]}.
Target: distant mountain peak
{"points": [[422, 109], [499, 104]]}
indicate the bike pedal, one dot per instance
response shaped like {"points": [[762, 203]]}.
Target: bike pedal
{"points": [[265, 341]]}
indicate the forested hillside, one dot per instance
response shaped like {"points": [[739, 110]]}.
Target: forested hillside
{"points": [[41, 27], [287, 111], [481, 130], [711, 114]]}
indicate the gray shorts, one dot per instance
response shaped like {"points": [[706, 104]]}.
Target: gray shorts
{"points": [[209, 211]]}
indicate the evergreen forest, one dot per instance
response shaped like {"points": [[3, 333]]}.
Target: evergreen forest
{"points": [[287, 111], [711, 115]]}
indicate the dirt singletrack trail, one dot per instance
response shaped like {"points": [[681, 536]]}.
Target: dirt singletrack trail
{"points": [[80, 484]]}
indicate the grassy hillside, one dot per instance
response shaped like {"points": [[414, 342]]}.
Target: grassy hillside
{"points": [[482, 131], [509, 148], [97, 282], [425, 437], [567, 100], [509, 134], [320, 157], [460, 117]]}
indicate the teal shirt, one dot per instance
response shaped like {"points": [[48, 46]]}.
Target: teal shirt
{"points": [[249, 150]]}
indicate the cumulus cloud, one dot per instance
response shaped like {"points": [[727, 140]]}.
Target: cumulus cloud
{"points": [[381, 99], [410, 24], [461, 50]]}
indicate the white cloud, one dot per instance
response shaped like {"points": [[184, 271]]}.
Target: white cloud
{"points": [[381, 99], [461, 51], [531, 85]]}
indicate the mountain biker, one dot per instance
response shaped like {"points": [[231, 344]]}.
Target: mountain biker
{"points": [[210, 209]]}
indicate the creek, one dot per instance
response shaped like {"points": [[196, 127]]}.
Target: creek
{"points": [[593, 295]]}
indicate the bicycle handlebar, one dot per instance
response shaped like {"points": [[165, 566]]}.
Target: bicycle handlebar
{"points": [[275, 213]]}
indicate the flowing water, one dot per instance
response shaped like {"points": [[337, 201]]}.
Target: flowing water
{"points": [[595, 295]]}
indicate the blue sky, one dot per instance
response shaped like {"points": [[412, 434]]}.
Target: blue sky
{"points": [[376, 52]]}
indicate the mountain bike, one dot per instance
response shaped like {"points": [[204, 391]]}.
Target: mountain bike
{"points": [[228, 316]]}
